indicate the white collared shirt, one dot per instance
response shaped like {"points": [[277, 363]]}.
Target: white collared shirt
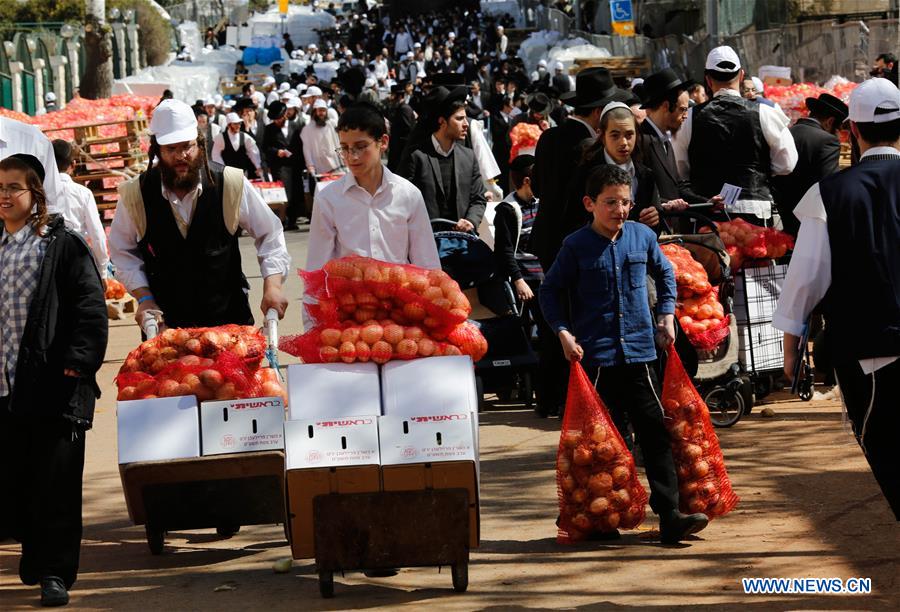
{"points": [[82, 216], [249, 147], [391, 225], [440, 151], [18, 137], [320, 145], [809, 274], [782, 152], [255, 217]]}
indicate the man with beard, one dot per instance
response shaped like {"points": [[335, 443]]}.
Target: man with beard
{"points": [[402, 118], [320, 142], [174, 237]]}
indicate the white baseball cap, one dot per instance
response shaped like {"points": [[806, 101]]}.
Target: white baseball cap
{"points": [[218, 99], [370, 82], [173, 121], [875, 101], [209, 102], [312, 46], [259, 98], [232, 118], [294, 103], [312, 91], [417, 45], [723, 59], [269, 80], [284, 86], [558, 66], [410, 55], [50, 97], [542, 62], [320, 104]]}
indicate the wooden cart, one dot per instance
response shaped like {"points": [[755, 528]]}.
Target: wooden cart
{"points": [[392, 529], [223, 492], [618, 66]]}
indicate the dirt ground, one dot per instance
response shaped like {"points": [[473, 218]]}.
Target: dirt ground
{"points": [[809, 508]]}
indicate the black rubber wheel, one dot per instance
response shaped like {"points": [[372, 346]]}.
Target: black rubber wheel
{"points": [[527, 390], [460, 573], [326, 584], [156, 539], [226, 531], [807, 380], [726, 406]]}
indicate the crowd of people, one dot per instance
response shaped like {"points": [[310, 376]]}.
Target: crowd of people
{"points": [[572, 220]]}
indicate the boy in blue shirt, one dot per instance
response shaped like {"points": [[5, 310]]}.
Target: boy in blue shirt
{"points": [[603, 267]]}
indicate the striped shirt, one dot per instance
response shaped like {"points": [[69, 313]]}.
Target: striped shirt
{"points": [[21, 254]]}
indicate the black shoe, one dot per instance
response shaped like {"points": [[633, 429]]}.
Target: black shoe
{"points": [[677, 526], [53, 592], [381, 573]]}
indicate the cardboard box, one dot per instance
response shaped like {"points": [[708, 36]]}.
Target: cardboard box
{"points": [[339, 442], [333, 390], [449, 475], [158, 429], [303, 486], [428, 438], [437, 385], [241, 426]]}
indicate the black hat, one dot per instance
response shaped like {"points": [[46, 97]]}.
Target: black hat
{"points": [[32, 161], [594, 87], [440, 98], [830, 105], [538, 103], [447, 79], [399, 87], [276, 110], [658, 85], [521, 162], [242, 104]]}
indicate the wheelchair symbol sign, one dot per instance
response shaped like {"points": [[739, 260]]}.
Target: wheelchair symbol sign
{"points": [[621, 10]]}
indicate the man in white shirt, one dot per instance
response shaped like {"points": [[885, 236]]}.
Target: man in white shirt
{"points": [[174, 237], [320, 142], [730, 139], [237, 149], [17, 137], [81, 212], [847, 263]]}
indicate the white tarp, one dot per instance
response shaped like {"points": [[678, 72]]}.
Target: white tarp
{"points": [[188, 82], [300, 23], [550, 46], [498, 8], [189, 35]]}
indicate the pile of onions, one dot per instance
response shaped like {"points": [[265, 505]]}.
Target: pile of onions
{"points": [[114, 289], [745, 241]]}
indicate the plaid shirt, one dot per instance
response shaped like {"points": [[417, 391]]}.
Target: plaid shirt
{"points": [[21, 255]]}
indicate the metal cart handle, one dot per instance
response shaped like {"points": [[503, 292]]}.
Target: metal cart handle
{"points": [[691, 216]]}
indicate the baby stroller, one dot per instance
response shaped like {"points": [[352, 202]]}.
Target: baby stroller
{"points": [[719, 377], [509, 365]]}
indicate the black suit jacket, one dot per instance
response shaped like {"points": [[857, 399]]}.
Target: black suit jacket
{"points": [[273, 140], [556, 158], [422, 169], [818, 155], [403, 119], [651, 152]]}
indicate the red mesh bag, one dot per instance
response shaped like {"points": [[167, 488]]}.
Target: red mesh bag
{"points": [[778, 243], [360, 289], [702, 479], [114, 289], [223, 378], [596, 479], [701, 315], [713, 336], [245, 342]]}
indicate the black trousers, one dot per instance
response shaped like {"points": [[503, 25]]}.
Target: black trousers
{"points": [[631, 393], [41, 466], [286, 176], [876, 421]]}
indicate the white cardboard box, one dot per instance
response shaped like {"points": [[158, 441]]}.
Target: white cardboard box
{"points": [[242, 425], [333, 390], [331, 442], [427, 438], [432, 386], [158, 429]]}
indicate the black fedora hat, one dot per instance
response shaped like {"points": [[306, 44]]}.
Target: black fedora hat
{"points": [[828, 104], [539, 103], [439, 99], [659, 84], [447, 79], [594, 87], [276, 110]]}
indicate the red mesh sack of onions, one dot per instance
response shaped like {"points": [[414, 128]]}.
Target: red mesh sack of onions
{"points": [[703, 481], [381, 342], [245, 342], [699, 312], [359, 289], [597, 482], [114, 289]]}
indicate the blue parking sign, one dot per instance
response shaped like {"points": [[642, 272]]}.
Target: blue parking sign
{"points": [[621, 10]]}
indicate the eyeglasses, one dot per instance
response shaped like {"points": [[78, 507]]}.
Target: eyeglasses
{"points": [[12, 192], [613, 203], [354, 151], [182, 151]]}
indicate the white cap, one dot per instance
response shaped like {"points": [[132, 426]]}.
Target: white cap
{"points": [[293, 103], [723, 59], [297, 54], [228, 103], [320, 104], [417, 45], [273, 95], [173, 121], [269, 80], [451, 35], [50, 97], [613, 105], [348, 53], [292, 92], [871, 95], [410, 55], [499, 28], [209, 102], [558, 66], [370, 82], [542, 62], [758, 84], [312, 46], [284, 86], [232, 118], [313, 91], [218, 99], [301, 87], [635, 82]]}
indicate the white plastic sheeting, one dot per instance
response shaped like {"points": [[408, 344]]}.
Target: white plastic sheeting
{"points": [[300, 23], [189, 35], [550, 46], [500, 7], [188, 82]]}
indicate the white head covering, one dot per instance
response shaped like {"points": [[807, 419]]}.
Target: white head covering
{"points": [[875, 94], [723, 59], [173, 121], [232, 118], [613, 105], [320, 104]]}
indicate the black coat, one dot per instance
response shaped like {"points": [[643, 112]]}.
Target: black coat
{"points": [[422, 169], [556, 155], [274, 140], [575, 215], [652, 153], [818, 155], [67, 328], [403, 119]]}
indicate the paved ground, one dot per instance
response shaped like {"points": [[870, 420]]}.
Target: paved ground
{"points": [[810, 508]]}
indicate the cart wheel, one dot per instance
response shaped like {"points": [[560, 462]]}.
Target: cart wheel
{"points": [[527, 390], [460, 573], [226, 531], [725, 406], [806, 383], [326, 584], [156, 539]]}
